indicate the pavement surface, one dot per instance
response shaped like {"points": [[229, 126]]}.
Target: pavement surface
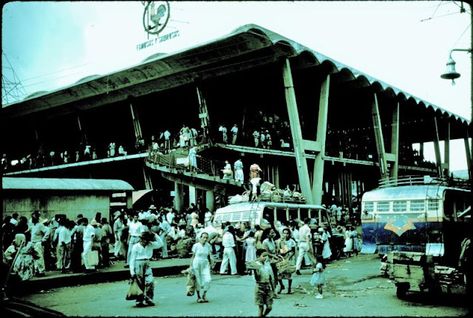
{"points": [[116, 271], [354, 288]]}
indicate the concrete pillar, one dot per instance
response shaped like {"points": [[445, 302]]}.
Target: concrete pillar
{"points": [[319, 162], [296, 133], [378, 135], [395, 142], [192, 195], [276, 176], [203, 113], [82, 133], [178, 200], [210, 200], [136, 123], [147, 179], [446, 165], [468, 156], [438, 158]]}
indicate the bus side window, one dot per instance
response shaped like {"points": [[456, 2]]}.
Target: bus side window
{"points": [[304, 214], [268, 214]]}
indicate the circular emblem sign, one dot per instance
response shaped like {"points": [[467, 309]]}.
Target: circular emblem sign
{"points": [[155, 16]]}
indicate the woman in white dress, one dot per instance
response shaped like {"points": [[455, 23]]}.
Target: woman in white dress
{"points": [[326, 250], [348, 249], [250, 242], [200, 264]]}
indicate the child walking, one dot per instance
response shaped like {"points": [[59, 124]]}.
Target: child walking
{"points": [[318, 280], [264, 292]]}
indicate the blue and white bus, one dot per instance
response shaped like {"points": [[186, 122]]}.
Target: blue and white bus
{"points": [[415, 214]]}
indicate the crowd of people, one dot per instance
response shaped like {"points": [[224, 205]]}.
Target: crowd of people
{"points": [[268, 131], [32, 246]]}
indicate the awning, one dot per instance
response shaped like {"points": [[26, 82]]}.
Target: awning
{"points": [[138, 194], [9, 183]]}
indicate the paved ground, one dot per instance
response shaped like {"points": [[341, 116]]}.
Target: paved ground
{"points": [[353, 289]]}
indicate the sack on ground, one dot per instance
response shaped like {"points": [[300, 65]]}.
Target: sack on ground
{"points": [[93, 258], [134, 292]]}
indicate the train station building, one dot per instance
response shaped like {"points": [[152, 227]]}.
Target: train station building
{"points": [[334, 130]]}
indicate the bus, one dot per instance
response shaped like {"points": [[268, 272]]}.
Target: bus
{"points": [[417, 223], [259, 212]]}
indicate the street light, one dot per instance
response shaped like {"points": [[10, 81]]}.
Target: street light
{"points": [[451, 73]]}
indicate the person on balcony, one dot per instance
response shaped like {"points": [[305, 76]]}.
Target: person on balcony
{"points": [[238, 167], [227, 171]]}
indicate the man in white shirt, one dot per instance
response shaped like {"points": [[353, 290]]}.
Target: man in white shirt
{"points": [[140, 269], [238, 167], [63, 249], [89, 238], [39, 236], [165, 228], [305, 245], [167, 140], [234, 132], [134, 231], [208, 218], [228, 243], [170, 216]]}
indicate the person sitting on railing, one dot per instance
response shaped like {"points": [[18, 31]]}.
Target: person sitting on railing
{"points": [[121, 151]]}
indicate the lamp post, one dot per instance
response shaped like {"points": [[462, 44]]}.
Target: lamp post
{"points": [[452, 74]]}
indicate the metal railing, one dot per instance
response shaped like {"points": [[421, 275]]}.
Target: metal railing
{"points": [[424, 180], [204, 165]]}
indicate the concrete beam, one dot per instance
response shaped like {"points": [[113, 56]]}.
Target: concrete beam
{"points": [[446, 165], [318, 177], [378, 134], [311, 145], [468, 156], [296, 133], [394, 155], [438, 158]]}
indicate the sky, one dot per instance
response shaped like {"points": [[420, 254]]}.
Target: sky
{"points": [[49, 45]]}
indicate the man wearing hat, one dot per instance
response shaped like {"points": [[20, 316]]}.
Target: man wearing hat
{"points": [[140, 269]]}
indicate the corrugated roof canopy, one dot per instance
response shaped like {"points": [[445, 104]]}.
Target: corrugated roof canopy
{"points": [[65, 184], [163, 71]]}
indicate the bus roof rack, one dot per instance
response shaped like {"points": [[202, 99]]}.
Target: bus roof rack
{"points": [[423, 180]]}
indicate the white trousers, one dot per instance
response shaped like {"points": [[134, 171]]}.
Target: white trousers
{"points": [[303, 251], [228, 255], [87, 249]]}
